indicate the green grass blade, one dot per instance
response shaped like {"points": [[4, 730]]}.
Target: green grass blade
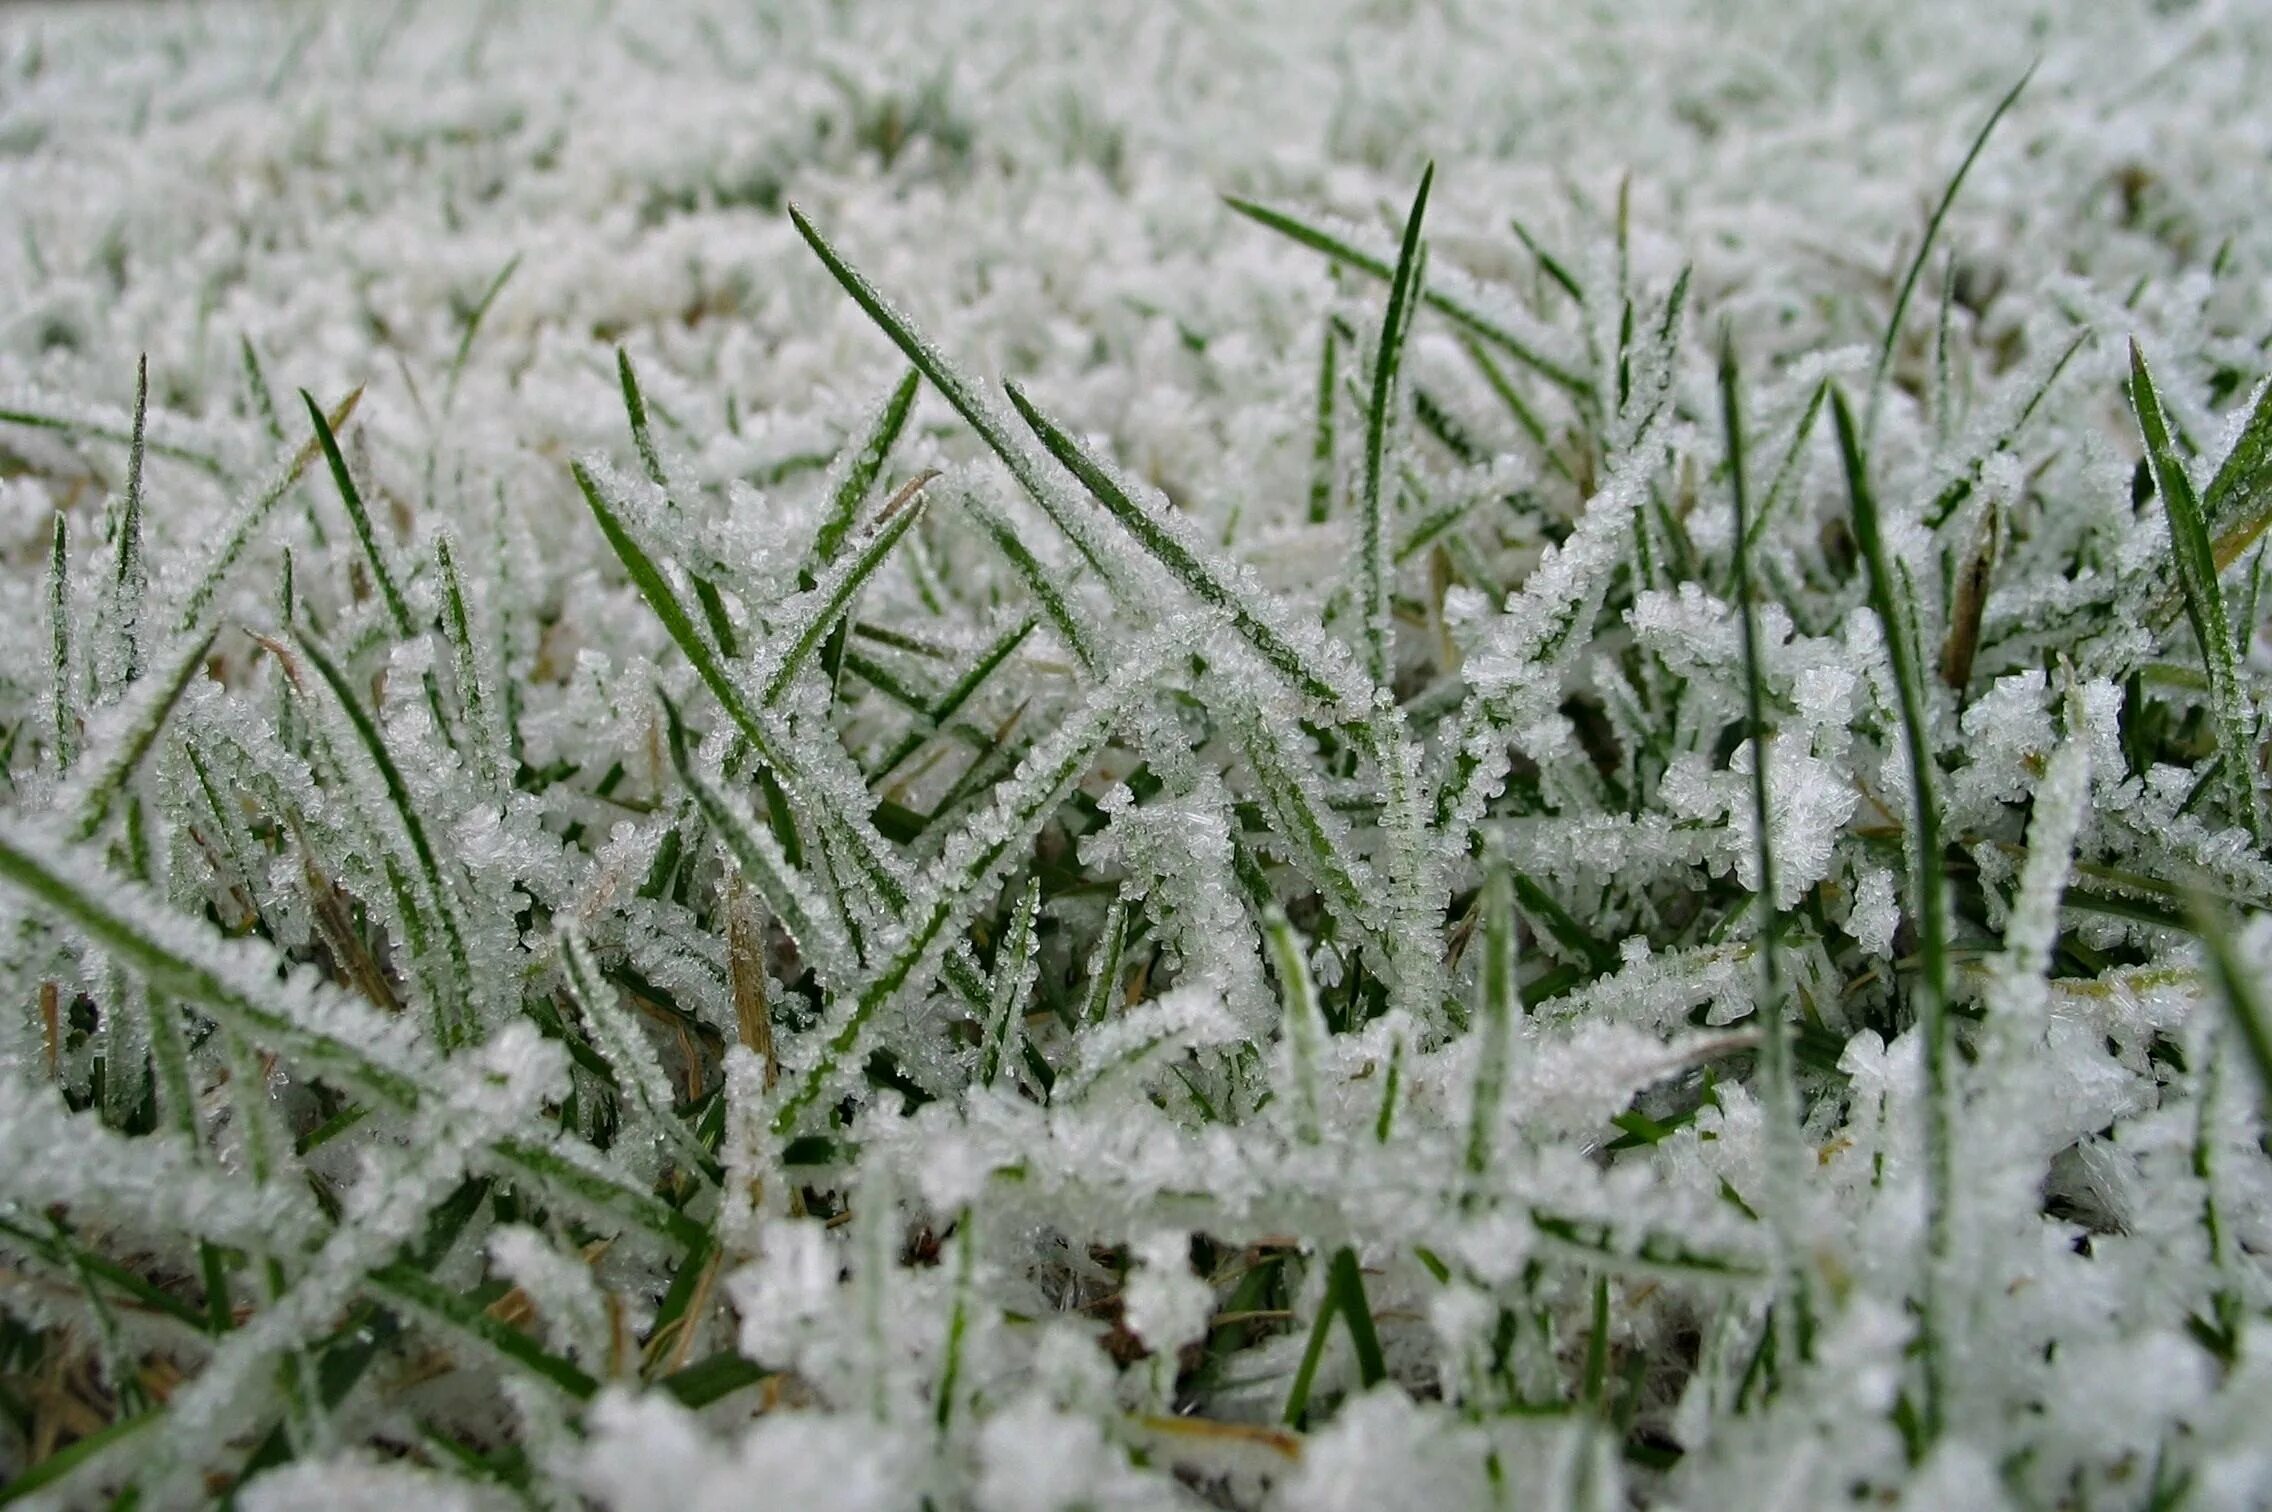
{"points": [[457, 1021], [1300, 815], [760, 858], [968, 401], [2237, 984], [1304, 1023], [1781, 1090], [1104, 966], [1457, 311], [1345, 1296], [860, 468], [130, 576], [1014, 970], [473, 320], [1525, 417], [2195, 556], [31, 414], [1546, 910], [2238, 503], [624, 1047], [1176, 547], [62, 704], [1498, 1003], [714, 614], [251, 516], [1322, 450], [1787, 474], [958, 695], [1930, 884], [1373, 565], [332, 1033], [407, 1286], [492, 749], [77, 1453], [1925, 247], [351, 497], [973, 860], [130, 728], [256, 384], [832, 596]]}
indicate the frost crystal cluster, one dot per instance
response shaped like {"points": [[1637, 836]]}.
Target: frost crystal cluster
{"points": [[1286, 754]]}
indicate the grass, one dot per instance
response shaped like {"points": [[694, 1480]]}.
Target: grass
{"points": [[1196, 939]]}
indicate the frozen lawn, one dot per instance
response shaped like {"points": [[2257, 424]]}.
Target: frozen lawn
{"points": [[1278, 753]]}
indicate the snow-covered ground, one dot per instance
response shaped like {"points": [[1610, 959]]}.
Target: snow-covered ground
{"points": [[689, 914]]}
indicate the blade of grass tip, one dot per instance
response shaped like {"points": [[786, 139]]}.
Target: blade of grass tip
{"points": [[252, 515], [398, 610], [1960, 488], [1498, 1002], [457, 1021], [1787, 473], [131, 728], [957, 696], [1104, 966], [1176, 548], [1374, 567], [760, 860], [1782, 1096], [1548, 264], [1013, 978], [473, 320], [2204, 599], [2238, 504], [2252, 1020], [1071, 623], [1322, 450], [130, 578], [1457, 311], [861, 466], [664, 601], [833, 595], [1305, 1028], [62, 715], [968, 401], [706, 594], [491, 750], [1925, 250], [1345, 1296], [256, 384], [1930, 882]]}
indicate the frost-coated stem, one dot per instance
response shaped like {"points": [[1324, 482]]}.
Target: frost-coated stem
{"points": [[1932, 911], [1374, 566], [1780, 1088]]}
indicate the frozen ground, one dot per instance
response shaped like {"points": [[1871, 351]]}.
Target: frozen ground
{"points": [[668, 910]]}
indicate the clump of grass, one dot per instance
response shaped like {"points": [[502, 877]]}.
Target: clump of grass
{"points": [[951, 969]]}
